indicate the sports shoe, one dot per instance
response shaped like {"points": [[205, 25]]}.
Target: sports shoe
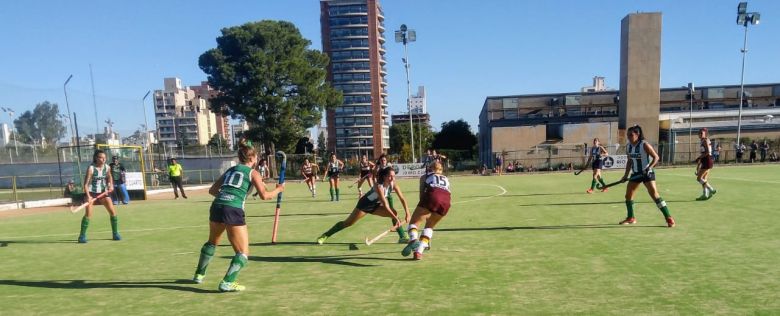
{"points": [[702, 198], [411, 246], [321, 240], [230, 287], [82, 239], [670, 222], [403, 240], [712, 193], [589, 191], [604, 189], [117, 237], [628, 221], [418, 256], [198, 278]]}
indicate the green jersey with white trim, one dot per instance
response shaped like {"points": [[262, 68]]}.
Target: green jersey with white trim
{"points": [[235, 187], [639, 157], [99, 179]]}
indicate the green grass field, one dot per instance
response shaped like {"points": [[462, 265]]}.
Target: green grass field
{"points": [[529, 244]]}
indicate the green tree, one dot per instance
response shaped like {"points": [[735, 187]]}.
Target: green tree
{"points": [[322, 145], [267, 75], [399, 136], [43, 121], [456, 135], [218, 142]]}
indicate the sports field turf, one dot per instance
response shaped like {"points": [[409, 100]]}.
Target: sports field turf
{"points": [[529, 244]]}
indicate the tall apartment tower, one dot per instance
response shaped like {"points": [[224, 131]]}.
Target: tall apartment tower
{"points": [[182, 115], [353, 37]]}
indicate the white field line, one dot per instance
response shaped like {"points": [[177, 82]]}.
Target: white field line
{"points": [[716, 178], [503, 191]]}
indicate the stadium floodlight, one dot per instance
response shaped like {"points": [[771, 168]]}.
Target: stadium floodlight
{"points": [[744, 18]]}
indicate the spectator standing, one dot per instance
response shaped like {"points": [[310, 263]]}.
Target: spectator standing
{"points": [[740, 151], [174, 175], [753, 149], [498, 163], [764, 149], [716, 152], [118, 174]]}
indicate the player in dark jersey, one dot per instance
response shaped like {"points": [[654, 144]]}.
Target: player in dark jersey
{"points": [[332, 171], [597, 154], [704, 164], [227, 214], [374, 202], [309, 176], [435, 201], [96, 181], [381, 164], [366, 174], [641, 160]]}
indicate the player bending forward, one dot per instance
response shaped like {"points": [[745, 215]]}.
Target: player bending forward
{"points": [[227, 214], [374, 202], [433, 206]]}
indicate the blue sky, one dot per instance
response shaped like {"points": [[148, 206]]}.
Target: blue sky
{"points": [[466, 50]]}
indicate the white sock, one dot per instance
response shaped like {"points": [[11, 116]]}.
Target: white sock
{"points": [[428, 233], [705, 191], [413, 233]]}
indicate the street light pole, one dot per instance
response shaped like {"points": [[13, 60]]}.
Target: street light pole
{"points": [[13, 129], [744, 18], [67, 105], [405, 36], [147, 139]]}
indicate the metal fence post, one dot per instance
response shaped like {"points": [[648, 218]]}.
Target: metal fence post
{"points": [[16, 194]]}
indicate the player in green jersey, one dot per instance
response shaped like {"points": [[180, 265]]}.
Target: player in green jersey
{"points": [[227, 214], [97, 181]]}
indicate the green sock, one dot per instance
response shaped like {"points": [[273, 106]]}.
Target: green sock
{"points": [[592, 184], [335, 229], [337, 193], [84, 226], [390, 201], [206, 252], [238, 262], [114, 224], [601, 180], [662, 206], [401, 231], [331, 193], [630, 208]]}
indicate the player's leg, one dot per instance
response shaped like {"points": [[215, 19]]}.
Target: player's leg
{"points": [[208, 249], [85, 221], [593, 181], [427, 234], [336, 185], [239, 239], [600, 179], [106, 201], [659, 202], [420, 214], [630, 191], [353, 217], [330, 182]]}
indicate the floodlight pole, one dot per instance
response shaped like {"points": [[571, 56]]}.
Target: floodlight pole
{"points": [[690, 122], [146, 130], [744, 18], [67, 105], [405, 39]]}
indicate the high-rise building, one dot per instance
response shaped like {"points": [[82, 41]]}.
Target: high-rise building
{"points": [[353, 37], [205, 91], [182, 116], [418, 103]]}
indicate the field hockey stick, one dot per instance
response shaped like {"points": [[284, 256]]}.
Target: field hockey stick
{"points": [[358, 180], [576, 173], [279, 196], [617, 182], [85, 204], [383, 234]]}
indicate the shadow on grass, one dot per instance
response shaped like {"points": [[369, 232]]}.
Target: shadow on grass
{"points": [[575, 226], [301, 214], [5, 243], [345, 260], [89, 284], [300, 243]]}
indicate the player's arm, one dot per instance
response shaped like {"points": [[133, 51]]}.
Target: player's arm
{"points": [[341, 165], [257, 182], [397, 190], [109, 180], [87, 181], [303, 174], [603, 150], [214, 189], [629, 165], [385, 204], [651, 152]]}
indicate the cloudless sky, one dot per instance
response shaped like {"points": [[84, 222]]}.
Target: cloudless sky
{"points": [[465, 50]]}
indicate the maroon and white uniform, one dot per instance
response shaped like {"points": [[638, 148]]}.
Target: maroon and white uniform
{"points": [[436, 197], [706, 148]]}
